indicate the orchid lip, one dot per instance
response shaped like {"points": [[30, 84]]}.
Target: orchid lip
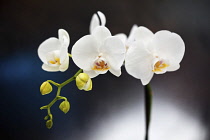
{"points": [[159, 66], [55, 61], [100, 64]]}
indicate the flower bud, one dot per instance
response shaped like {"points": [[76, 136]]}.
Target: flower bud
{"points": [[45, 88], [83, 81], [64, 106], [49, 124]]}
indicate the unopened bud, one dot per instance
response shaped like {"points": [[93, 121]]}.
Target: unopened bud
{"points": [[84, 82], [49, 124], [45, 88], [65, 106]]}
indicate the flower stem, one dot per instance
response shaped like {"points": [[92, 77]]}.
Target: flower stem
{"points": [[70, 79], [54, 83], [70, 55], [148, 108], [58, 97]]}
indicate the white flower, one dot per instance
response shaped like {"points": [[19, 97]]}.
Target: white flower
{"points": [[54, 52], [153, 53], [98, 19], [130, 39], [99, 52]]}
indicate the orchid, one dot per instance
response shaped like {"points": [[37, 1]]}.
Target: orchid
{"points": [[143, 53], [53, 52], [128, 40], [98, 19], [99, 52], [153, 53]]}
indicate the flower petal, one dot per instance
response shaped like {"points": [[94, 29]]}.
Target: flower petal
{"points": [[84, 51], [64, 66], [63, 54], [169, 45], [143, 34], [64, 37], [122, 37], [50, 68], [101, 33], [48, 45], [114, 51], [115, 72], [173, 67], [147, 79], [102, 18], [94, 23], [131, 35], [138, 62], [91, 73]]}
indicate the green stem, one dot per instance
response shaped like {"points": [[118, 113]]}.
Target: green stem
{"points": [[58, 97], [148, 108], [70, 79], [70, 55]]}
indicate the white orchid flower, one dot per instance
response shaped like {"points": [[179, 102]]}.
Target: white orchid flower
{"points": [[99, 52], [153, 53], [53, 52], [98, 19], [130, 39]]}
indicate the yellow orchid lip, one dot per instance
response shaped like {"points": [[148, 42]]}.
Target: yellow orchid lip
{"points": [[101, 66], [159, 66], [56, 61]]}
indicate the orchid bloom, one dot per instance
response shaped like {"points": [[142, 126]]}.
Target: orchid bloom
{"points": [[128, 40], [99, 52], [53, 52], [98, 19], [153, 53]]}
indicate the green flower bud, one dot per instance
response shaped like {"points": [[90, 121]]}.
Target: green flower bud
{"points": [[45, 88], [84, 82], [65, 106], [49, 124], [46, 117]]}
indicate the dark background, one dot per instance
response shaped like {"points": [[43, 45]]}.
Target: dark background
{"points": [[114, 108]]}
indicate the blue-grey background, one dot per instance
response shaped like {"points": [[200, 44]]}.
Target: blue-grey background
{"points": [[114, 108]]}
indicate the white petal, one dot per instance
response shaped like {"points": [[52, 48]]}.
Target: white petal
{"points": [[63, 54], [102, 18], [131, 35], [169, 45], [48, 45], [64, 37], [50, 68], [115, 72], [84, 51], [94, 23], [101, 72], [147, 79], [91, 73], [138, 62], [173, 67], [114, 52], [143, 34], [101, 33], [64, 66], [50, 56], [122, 37]]}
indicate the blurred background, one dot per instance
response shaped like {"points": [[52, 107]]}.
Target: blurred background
{"points": [[114, 109]]}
